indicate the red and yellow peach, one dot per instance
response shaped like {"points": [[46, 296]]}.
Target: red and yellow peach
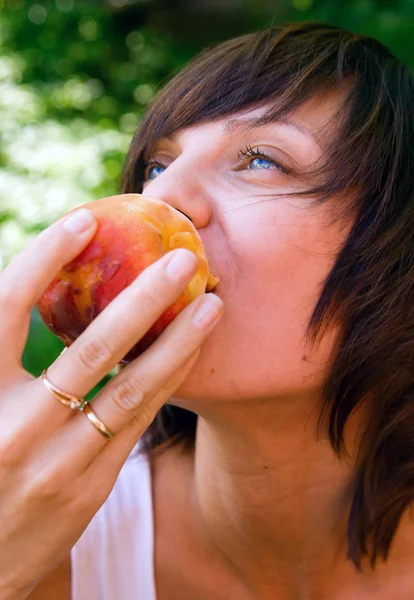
{"points": [[133, 232]]}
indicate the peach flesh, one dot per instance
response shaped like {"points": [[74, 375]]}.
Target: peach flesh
{"points": [[133, 232]]}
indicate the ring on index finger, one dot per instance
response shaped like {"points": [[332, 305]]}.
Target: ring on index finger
{"points": [[73, 402]]}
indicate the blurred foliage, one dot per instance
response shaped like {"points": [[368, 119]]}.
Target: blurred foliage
{"points": [[76, 77]]}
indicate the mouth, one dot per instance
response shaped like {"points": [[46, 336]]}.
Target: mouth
{"points": [[215, 290], [212, 282]]}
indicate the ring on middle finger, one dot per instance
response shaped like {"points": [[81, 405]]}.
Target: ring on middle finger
{"points": [[97, 423]]}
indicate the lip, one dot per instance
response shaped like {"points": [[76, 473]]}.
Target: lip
{"points": [[215, 290]]}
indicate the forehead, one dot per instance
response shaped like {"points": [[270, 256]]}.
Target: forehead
{"points": [[317, 119], [318, 116]]}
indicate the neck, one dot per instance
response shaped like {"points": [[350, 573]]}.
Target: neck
{"points": [[270, 497]]}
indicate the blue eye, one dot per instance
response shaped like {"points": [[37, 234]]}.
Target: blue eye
{"points": [[261, 163], [152, 171]]}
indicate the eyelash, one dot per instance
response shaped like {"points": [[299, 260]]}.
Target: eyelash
{"points": [[248, 152]]}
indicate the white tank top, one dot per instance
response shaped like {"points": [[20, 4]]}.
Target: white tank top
{"points": [[113, 560]]}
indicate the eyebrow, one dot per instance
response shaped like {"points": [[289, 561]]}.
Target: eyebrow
{"points": [[245, 125]]}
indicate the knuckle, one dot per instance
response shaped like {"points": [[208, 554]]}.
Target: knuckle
{"points": [[128, 393], [10, 452], [45, 486], [7, 298], [147, 296], [94, 354]]}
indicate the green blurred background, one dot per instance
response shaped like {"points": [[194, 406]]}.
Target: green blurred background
{"points": [[76, 77]]}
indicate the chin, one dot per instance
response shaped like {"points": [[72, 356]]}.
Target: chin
{"points": [[194, 388], [176, 401], [188, 391]]}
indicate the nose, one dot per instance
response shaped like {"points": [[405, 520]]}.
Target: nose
{"points": [[186, 193]]}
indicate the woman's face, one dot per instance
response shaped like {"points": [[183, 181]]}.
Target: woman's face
{"points": [[270, 251]]}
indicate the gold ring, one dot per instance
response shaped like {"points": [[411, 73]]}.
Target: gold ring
{"points": [[97, 423], [73, 402]]}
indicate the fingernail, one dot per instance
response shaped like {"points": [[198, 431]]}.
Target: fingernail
{"points": [[181, 265], [208, 312], [80, 221]]}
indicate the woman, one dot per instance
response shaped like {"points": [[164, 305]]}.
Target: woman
{"points": [[285, 457]]}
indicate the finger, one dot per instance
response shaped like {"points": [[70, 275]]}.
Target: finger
{"points": [[26, 277], [134, 393], [112, 456], [130, 394], [71, 439], [111, 335], [122, 324]]}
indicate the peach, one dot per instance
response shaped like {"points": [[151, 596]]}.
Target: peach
{"points": [[133, 232]]}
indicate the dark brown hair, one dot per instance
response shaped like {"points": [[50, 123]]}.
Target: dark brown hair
{"points": [[370, 288]]}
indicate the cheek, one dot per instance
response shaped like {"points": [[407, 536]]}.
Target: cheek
{"points": [[282, 267], [259, 348]]}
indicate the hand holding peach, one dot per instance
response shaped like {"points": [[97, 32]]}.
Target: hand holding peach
{"points": [[56, 466], [133, 232]]}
